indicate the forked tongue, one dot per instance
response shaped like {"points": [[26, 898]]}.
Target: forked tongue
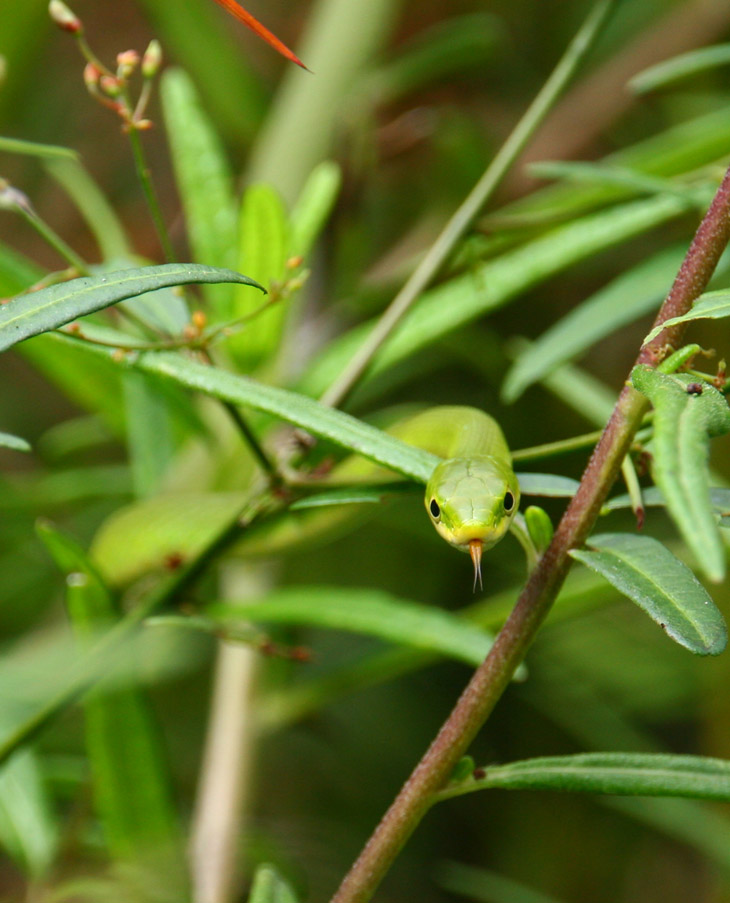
{"points": [[475, 550]]}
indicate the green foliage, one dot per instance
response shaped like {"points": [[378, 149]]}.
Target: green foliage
{"points": [[647, 572], [270, 887], [207, 482], [687, 414], [621, 773], [51, 307]]}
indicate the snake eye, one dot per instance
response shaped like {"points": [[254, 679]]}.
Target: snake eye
{"points": [[509, 501], [434, 509]]}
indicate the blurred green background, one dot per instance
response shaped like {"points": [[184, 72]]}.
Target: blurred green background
{"points": [[418, 109]]}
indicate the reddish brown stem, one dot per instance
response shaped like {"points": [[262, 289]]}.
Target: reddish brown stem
{"points": [[543, 585]]}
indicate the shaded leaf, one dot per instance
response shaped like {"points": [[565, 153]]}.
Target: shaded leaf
{"points": [[610, 174], [263, 251], [269, 887], [679, 67], [631, 295], [548, 485], [49, 308], [33, 149], [645, 571], [464, 298], [313, 206], [203, 179], [365, 611], [634, 774], [652, 496], [684, 422], [131, 783]]}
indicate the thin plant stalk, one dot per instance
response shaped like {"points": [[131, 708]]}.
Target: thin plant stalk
{"points": [[55, 240], [462, 219], [491, 678], [145, 178]]}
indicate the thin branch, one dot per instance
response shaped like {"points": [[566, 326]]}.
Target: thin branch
{"points": [[544, 583]]}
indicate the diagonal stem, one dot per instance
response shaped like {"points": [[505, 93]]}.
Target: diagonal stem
{"points": [[464, 216], [489, 681]]}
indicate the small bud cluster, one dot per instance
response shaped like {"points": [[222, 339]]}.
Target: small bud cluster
{"points": [[112, 88]]}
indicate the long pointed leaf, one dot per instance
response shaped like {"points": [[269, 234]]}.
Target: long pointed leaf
{"points": [[130, 780], [664, 587], [365, 611], [633, 774], [51, 307], [710, 306], [686, 415]]}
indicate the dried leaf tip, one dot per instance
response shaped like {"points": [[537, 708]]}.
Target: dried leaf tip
{"points": [[238, 12]]}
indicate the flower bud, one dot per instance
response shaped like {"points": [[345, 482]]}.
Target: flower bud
{"points": [[127, 62], [13, 199], [110, 85], [152, 59], [64, 18], [91, 76], [199, 320]]}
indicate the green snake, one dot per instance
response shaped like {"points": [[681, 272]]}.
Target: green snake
{"points": [[471, 498], [473, 494]]}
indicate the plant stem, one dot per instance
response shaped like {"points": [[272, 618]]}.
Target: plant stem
{"points": [[55, 240], [544, 583], [462, 219], [143, 172]]}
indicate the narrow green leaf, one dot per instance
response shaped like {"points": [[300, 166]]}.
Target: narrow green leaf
{"points": [[33, 149], [646, 572], [625, 299], [300, 410], [628, 774], [683, 148], [269, 887], [49, 308], [313, 207], [454, 45], [28, 831], [464, 298], [610, 174], [684, 422], [479, 885], [548, 485], [131, 783], [149, 432], [652, 497], [365, 611], [204, 181], [356, 495], [263, 251], [7, 440], [710, 306], [680, 67]]}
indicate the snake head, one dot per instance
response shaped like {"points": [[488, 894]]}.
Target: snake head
{"points": [[471, 502]]}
